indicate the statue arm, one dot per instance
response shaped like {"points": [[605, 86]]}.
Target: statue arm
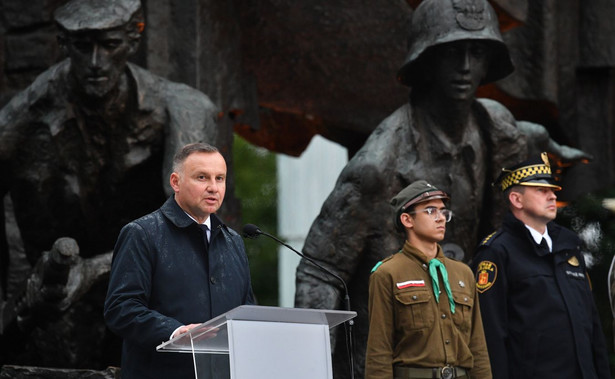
{"points": [[539, 140], [14, 117], [337, 240], [536, 135], [354, 229]]}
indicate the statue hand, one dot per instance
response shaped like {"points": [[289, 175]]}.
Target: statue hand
{"points": [[567, 154], [46, 288], [539, 140]]}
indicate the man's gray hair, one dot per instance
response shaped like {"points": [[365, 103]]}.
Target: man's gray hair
{"points": [[197, 147]]}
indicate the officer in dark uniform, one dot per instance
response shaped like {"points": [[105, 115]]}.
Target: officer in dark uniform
{"points": [[537, 307]]}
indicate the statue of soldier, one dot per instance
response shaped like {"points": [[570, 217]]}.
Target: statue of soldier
{"points": [[86, 148], [444, 135]]}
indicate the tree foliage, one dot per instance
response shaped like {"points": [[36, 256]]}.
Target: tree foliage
{"points": [[256, 188]]}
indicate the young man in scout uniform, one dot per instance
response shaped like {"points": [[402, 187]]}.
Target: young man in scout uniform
{"points": [[538, 311], [424, 320]]}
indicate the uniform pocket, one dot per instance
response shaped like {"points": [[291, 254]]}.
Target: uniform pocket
{"points": [[415, 309], [464, 303]]}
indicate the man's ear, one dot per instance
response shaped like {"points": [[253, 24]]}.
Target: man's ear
{"points": [[514, 198], [174, 181], [406, 220]]}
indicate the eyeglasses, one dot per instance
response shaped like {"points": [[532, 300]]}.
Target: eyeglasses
{"points": [[435, 213]]}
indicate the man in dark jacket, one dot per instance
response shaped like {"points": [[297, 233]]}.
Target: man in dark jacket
{"points": [[538, 311], [175, 268]]}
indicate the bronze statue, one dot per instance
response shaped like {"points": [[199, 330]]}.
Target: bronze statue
{"points": [[77, 151], [444, 135]]}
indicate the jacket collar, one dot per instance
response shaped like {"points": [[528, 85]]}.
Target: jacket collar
{"points": [[171, 210], [147, 99], [559, 238], [415, 253]]}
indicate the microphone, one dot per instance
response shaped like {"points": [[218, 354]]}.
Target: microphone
{"points": [[252, 231]]}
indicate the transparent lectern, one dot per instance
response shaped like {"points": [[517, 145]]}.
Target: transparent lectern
{"points": [[264, 342]]}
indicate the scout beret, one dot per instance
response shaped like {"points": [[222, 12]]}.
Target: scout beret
{"points": [[417, 192]]}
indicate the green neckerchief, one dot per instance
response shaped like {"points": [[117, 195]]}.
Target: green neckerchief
{"points": [[434, 265]]}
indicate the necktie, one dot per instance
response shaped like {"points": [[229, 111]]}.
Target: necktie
{"points": [[434, 265], [544, 246], [204, 228]]}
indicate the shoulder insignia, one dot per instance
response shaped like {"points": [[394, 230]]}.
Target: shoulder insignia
{"points": [[574, 261], [381, 262], [376, 266], [486, 274], [487, 240]]}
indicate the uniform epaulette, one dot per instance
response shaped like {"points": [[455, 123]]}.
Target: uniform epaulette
{"points": [[490, 238], [381, 262]]}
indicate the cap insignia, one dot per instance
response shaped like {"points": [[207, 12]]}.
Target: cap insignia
{"points": [[470, 14], [545, 158]]}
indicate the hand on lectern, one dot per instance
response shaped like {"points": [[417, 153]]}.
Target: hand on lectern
{"points": [[205, 333], [184, 329], [201, 334]]}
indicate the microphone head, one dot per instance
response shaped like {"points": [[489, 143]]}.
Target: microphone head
{"points": [[251, 231]]}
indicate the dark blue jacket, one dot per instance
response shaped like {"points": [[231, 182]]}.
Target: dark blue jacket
{"points": [[538, 310], [161, 280]]}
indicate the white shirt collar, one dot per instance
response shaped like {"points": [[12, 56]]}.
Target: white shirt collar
{"points": [[207, 221], [538, 237]]}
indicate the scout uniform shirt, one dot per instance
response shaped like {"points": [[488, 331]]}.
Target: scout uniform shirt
{"points": [[409, 328]]}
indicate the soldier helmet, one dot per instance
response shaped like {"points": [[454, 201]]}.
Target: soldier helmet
{"points": [[81, 15], [435, 22]]}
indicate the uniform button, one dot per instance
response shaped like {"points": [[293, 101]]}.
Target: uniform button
{"points": [[447, 342], [443, 315], [212, 280], [465, 299], [414, 297]]}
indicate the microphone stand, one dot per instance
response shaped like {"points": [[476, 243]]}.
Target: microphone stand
{"points": [[350, 322]]}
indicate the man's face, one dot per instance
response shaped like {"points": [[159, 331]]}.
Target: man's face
{"points": [[98, 59], [200, 184], [538, 203], [426, 227], [459, 67]]}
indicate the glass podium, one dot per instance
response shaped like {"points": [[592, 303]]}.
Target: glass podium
{"points": [[263, 342]]}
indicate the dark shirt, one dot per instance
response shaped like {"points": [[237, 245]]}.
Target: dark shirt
{"points": [[160, 281]]}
